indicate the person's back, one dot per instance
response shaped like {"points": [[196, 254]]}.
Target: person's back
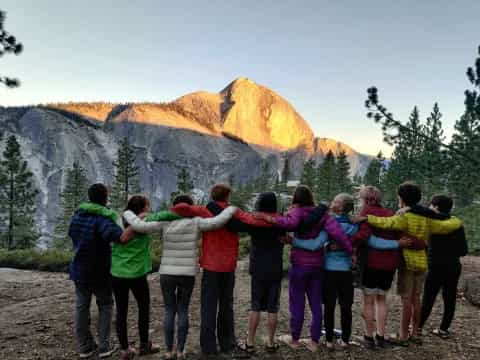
{"points": [[339, 259], [92, 229], [92, 235], [381, 259]]}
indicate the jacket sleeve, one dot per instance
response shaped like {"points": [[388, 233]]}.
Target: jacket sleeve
{"points": [[141, 226], [163, 216], [311, 244], [335, 232], [186, 210], [362, 235], [109, 231], [440, 227], [378, 243], [249, 219], [290, 221], [216, 222], [396, 222]]}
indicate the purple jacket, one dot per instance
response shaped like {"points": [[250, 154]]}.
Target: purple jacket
{"points": [[290, 222]]}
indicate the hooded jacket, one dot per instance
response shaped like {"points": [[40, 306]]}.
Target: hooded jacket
{"points": [[291, 222]]}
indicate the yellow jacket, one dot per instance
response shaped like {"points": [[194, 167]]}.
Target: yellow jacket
{"points": [[416, 225]]}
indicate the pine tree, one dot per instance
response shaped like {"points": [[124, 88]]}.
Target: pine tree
{"points": [[463, 180], [73, 193], [126, 175], [17, 198], [433, 158], [342, 174], [326, 178], [309, 174], [373, 175], [184, 183]]}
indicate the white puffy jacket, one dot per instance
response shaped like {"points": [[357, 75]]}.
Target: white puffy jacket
{"points": [[180, 239]]}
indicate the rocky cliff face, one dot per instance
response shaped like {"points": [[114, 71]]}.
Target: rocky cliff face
{"points": [[214, 135]]}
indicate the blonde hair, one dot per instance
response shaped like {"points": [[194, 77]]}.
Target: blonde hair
{"points": [[371, 195], [348, 202]]}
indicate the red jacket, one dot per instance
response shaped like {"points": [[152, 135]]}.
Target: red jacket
{"points": [[219, 247], [382, 259]]}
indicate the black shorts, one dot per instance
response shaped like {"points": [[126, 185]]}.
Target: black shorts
{"points": [[377, 282], [265, 295]]}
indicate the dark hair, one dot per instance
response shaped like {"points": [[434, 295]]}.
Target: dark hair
{"points": [[183, 198], [444, 203], [410, 193], [266, 202], [137, 203], [98, 194], [303, 196], [220, 192]]}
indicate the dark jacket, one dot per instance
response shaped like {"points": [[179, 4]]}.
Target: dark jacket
{"points": [[266, 253], [92, 236], [443, 249]]}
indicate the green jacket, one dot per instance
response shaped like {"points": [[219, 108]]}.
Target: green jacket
{"points": [[134, 259]]}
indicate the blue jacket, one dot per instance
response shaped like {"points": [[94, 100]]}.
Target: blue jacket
{"points": [[340, 260], [92, 236]]}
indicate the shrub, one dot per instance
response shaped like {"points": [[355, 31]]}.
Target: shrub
{"points": [[33, 259]]}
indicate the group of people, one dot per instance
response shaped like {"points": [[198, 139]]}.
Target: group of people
{"points": [[330, 251]]}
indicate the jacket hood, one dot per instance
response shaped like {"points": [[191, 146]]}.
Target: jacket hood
{"points": [[266, 202]]}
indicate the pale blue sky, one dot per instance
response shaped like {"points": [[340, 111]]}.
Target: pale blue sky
{"points": [[320, 55]]}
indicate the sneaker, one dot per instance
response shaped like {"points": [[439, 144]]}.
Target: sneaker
{"points": [[330, 345], [149, 348], [380, 341], [128, 354], [369, 342], [103, 354], [87, 354], [343, 344]]}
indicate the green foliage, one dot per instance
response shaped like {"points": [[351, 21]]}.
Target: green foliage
{"points": [[74, 193], [8, 45], [342, 174], [327, 179], [126, 176], [184, 184], [309, 174], [471, 218], [17, 198], [375, 170], [31, 259]]}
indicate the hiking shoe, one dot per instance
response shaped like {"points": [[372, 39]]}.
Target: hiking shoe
{"points": [[344, 345], [87, 354], [368, 342], [380, 341], [103, 354], [149, 348], [128, 354]]}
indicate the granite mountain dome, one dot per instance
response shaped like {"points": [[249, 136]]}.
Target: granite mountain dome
{"points": [[216, 136]]}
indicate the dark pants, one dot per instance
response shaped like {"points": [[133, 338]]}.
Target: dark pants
{"points": [[443, 277], [141, 292], [103, 295], [217, 295], [177, 292], [338, 285]]}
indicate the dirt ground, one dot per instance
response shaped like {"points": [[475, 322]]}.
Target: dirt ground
{"points": [[36, 322]]}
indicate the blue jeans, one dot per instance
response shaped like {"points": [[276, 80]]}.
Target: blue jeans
{"points": [[103, 295], [177, 292]]}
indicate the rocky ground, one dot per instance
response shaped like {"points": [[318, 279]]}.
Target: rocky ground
{"points": [[36, 321]]}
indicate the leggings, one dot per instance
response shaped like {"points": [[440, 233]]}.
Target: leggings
{"points": [[141, 292], [338, 285]]}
